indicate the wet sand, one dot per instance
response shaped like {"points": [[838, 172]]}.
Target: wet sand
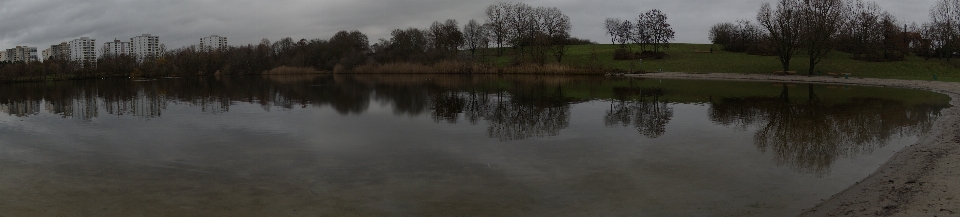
{"points": [[921, 180]]}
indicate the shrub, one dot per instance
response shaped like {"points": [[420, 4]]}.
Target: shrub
{"points": [[622, 54], [651, 55]]}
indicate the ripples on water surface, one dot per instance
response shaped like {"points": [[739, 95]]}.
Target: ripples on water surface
{"points": [[416, 145]]}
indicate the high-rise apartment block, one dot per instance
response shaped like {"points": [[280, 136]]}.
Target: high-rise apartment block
{"points": [[45, 54], [145, 45], [59, 51], [82, 51], [117, 48], [212, 43], [3, 56], [21, 54]]}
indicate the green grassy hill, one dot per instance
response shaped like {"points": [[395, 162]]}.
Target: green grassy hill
{"points": [[683, 58]]}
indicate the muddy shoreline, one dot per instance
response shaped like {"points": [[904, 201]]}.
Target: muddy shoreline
{"points": [[920, 180]]}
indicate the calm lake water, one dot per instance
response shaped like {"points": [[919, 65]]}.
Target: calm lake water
{"points": [[431, 145]]}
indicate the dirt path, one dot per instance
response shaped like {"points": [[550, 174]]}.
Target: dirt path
{"points": [[920, 180]]}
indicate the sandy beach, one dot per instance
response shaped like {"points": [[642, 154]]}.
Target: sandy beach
{"points": [[920, 180]]}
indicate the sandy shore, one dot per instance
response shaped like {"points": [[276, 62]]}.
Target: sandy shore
{"points": [[920, 180]]}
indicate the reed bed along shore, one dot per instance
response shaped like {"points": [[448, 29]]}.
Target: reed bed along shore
{"points": [[468, 67], [288, 70]]}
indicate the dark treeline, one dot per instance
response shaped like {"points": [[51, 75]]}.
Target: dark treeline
{"points": [[742, 36], [344, 50], [535, 34], [816, 27]]}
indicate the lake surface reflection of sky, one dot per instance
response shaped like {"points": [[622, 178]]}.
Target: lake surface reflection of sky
{"points": [[443, 145]]}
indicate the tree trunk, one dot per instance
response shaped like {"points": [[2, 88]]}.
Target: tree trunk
{"points": [[785, 62]]}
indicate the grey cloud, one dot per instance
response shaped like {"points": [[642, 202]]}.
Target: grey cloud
{"points": [[179, 23]]}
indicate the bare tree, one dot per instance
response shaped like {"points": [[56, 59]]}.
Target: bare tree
{"points": [[862, 31], [625, 33], [475, 36], [643, 31], [435, 36], [945, 27], [752, 37], [556, 25], [896, 41], [722, 33], [785, 27], [620, 31], [445, 37], [915, 42], [537, 35], [612, 26], [407, 45], [560, 42], [874, 35], [349, 49], [497, 23], [821, 21], [454, 37], [742, 36], [283, 45], [660, 31], [520, 21]]}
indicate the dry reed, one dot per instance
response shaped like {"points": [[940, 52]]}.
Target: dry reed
{"points": [[288, 70], [465, 67]]}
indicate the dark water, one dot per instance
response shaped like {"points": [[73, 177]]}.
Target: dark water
{"points": [[416, 145]]}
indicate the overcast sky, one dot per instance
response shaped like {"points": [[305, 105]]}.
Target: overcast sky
{"points": [[178, 23]]}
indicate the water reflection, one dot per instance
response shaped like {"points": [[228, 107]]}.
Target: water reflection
{"points": [[648, 113], [435, 145], [528, 111], [802, 129], [516, 119], [810, 135]]}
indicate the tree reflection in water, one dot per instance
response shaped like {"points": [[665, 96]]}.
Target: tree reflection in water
{"points": [[530, 111], [530, 108], [809, 136], [647, 113]]}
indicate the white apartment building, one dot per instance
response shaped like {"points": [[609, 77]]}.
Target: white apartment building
{"points": [[145, 45], [82, 51], [46, 54], [116, 48], [3, 56], [21, 54], [214, 42]]}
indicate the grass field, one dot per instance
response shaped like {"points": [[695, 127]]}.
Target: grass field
{"points": [[683, 58]]}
